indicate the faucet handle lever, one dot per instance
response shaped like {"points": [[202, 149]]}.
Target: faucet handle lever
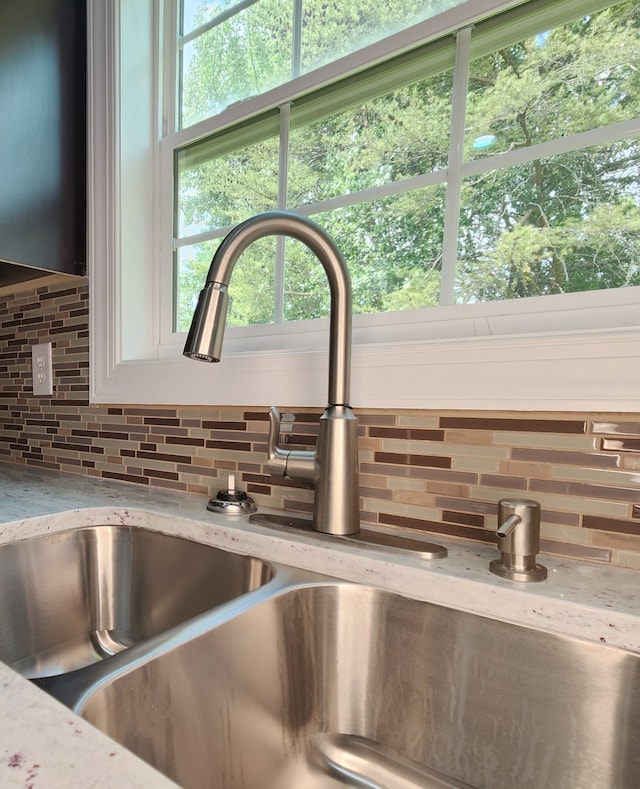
{"points": [[276, 455]]}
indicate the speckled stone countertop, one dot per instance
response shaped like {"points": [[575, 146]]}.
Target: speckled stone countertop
{"points": [[44, 744]]}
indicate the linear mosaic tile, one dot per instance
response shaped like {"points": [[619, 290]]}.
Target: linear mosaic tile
{"points": [[515, 424], [611, 524], [621, 444], [421, 471], [616, 428]]}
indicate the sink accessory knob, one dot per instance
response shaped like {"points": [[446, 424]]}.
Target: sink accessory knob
{"points": [[231, 501], [518, 541]]}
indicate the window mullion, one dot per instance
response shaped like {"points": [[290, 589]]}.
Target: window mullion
{"points": [[454, 172], [296, 53], [169, 57], [283, 185]]}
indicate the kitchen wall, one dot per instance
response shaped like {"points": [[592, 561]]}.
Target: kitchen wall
{"points": [[421, 471]]}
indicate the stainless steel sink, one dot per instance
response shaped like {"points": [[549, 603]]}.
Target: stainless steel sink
{"points": [[72, 598], [333, 684]]}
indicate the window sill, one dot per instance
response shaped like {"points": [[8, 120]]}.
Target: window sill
{"points": [[582, 371]]}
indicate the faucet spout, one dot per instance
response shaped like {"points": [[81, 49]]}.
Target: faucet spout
{"points": [[332, 467], [204, 340]]}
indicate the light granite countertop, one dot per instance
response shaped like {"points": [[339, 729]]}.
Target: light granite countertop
{"points": [[44, 744]]}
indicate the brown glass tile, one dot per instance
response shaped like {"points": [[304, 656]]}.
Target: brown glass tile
{"points": [[256, 416], [236, 446], [610, 524], [582, 552], [258, 479], [465, 518], [158, 420], [499, 481], [467, 505], [261, 489], [519, 425], [561, 518], [451, 529], [56, 294], [165, 457], [615, 541], [203, 471], [407, 433], [585, 490], [152, 412], [301, 418], [376, 419], [301, 507], [249, 467], [585, 459], [616, 428], [446, 488], [621, 444], [69, 446], [163, 430], [124, 477], [423, 472], [376, 493], [635, 513], [45, 464], [398, 458], [152, 472], [169, 484], [222, 425], [184, 440]]}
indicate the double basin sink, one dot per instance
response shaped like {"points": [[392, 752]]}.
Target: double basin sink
{"points": [[221, 670]]}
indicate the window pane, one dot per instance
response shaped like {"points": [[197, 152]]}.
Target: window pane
{"points": [[192, 265], [225, 190], [577, 77], [252, 50], [565, 224], [251, 291], [397, 136], [333, 29], [197, 12], [242, 56], [393, 248]]}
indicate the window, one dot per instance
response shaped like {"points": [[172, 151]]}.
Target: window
{"points": [[481, 183], [539, 197]]}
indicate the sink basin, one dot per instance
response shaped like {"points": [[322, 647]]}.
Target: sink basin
{"points": [[72, 598], [334, 684]]}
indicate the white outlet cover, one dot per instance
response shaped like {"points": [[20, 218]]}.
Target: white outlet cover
{"points": [[42, 369]]}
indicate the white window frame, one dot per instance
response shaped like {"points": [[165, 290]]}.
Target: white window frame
{"points": [[576, 352]]}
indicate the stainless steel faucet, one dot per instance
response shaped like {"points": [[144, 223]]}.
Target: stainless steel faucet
{"points": [[518, 541], [332, 467]]}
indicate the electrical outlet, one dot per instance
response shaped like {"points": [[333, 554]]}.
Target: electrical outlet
{"points": [[42, 369]]}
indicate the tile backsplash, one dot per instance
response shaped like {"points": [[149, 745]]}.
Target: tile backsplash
{"points": [[421, 471]]}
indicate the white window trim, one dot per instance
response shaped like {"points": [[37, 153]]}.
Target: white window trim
{"points": [[484, 356]]}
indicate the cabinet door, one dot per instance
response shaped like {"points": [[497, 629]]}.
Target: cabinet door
{"points": [[43, 135]]}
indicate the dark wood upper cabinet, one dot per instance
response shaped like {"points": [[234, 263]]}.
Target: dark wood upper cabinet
{"points": [[43, 109]]}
